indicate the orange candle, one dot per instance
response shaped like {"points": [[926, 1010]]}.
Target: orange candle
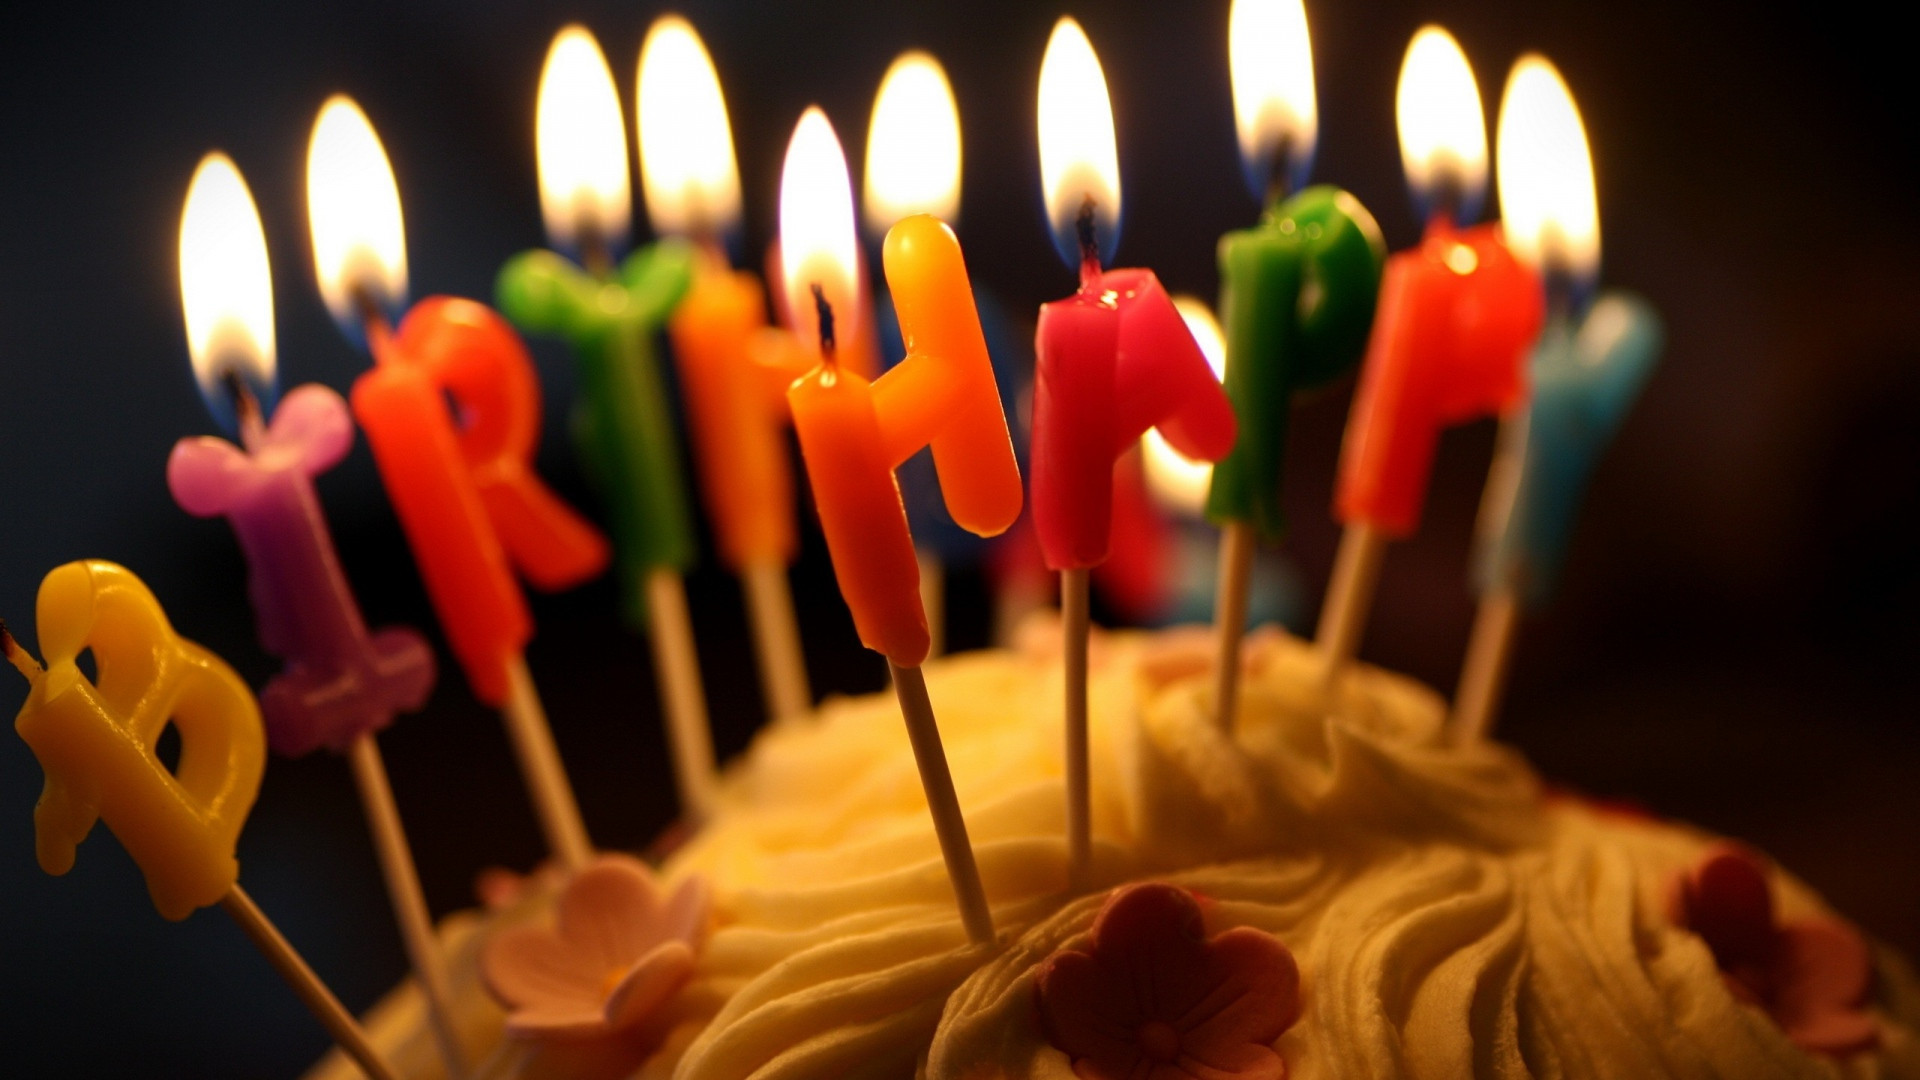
{"points": [[464, 488], [855, 433], [734, 371]]}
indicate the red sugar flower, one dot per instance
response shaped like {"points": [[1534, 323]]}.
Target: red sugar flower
{"points": [[1812, 976], [1154, 999]]}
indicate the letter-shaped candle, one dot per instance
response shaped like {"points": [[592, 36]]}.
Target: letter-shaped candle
{"points": [[95, 741], [1584, 380], [341, 682], [1111, 361], [1586, 371], [1297, 290], [463, 483], [1297, 293], [855, 433], [1455, 318], [625, 427]]}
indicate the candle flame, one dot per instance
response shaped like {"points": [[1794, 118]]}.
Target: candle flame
{"points": [[580, 144], [353, 213], [817, 243], [1177, 482], [913, 145], [1443, 128], [687, 168], [1079, 163], [226, 286], [1270, 59], [1547, 203]]}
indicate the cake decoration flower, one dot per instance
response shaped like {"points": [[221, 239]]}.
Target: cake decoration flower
{"points": [[1153, 998], [620, 947], [1811, 975]]}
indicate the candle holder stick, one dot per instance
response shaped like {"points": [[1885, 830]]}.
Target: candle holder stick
{"points": [[312, 992], [923, 731], [341, 683], [677, 666], [547, 784], [1483, 676], [776, 639], [1074, 626], [1343, 617], [1230, 617], [933, 597]]}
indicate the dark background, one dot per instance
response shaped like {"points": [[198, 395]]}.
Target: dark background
{"points": [[1734, 643]]}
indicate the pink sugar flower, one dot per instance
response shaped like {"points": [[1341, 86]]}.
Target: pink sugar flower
{"points": [[619, 949], [1154, 999], [1812, 976]]}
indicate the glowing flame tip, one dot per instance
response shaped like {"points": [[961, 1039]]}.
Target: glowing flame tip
{"points": [[687, 168], [1079, 161], [817, 241], [913, 145], [1443, 127], [580, 141], [353, 214], [1270, 60], [1548, 206], [226, 286]]}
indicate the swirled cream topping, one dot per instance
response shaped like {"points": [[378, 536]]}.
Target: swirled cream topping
{"points": [[1450, 919]]}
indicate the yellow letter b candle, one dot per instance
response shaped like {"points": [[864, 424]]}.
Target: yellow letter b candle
{"points": [[96, 741]]}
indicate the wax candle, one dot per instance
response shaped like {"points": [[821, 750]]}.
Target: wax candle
{"points": [[95, 739], [1586, 370], [1585, 375], [96, 742], [625, 427], [854, 433], [1456, 313], [1115, 358], [451, 410], [1111, 361], [734, 369], [465, 491], [1297, 290], [340, 682], [1455, 317], [610, 317]]}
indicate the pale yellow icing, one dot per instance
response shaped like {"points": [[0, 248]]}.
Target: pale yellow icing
{"points": [[1449, 920]]}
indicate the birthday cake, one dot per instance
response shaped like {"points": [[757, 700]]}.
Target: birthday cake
{"points": [[1319, 893]]}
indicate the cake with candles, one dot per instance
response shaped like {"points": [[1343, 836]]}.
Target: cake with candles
{"points": [[1189, 853], [1201, 852]]}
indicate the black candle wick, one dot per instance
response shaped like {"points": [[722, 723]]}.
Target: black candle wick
{"points": [[246, 407], [1083, 225], [825, 311]]}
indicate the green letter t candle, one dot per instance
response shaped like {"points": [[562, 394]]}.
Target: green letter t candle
{"points": [[624, 426]]}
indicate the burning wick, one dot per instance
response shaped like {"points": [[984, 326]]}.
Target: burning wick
{"points": [[246, 408], [1089, 245], [17, 655], [594, 253], [825, 311], [1280, 172]]}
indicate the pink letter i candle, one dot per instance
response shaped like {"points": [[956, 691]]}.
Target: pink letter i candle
{"points": [[341, 684]]}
